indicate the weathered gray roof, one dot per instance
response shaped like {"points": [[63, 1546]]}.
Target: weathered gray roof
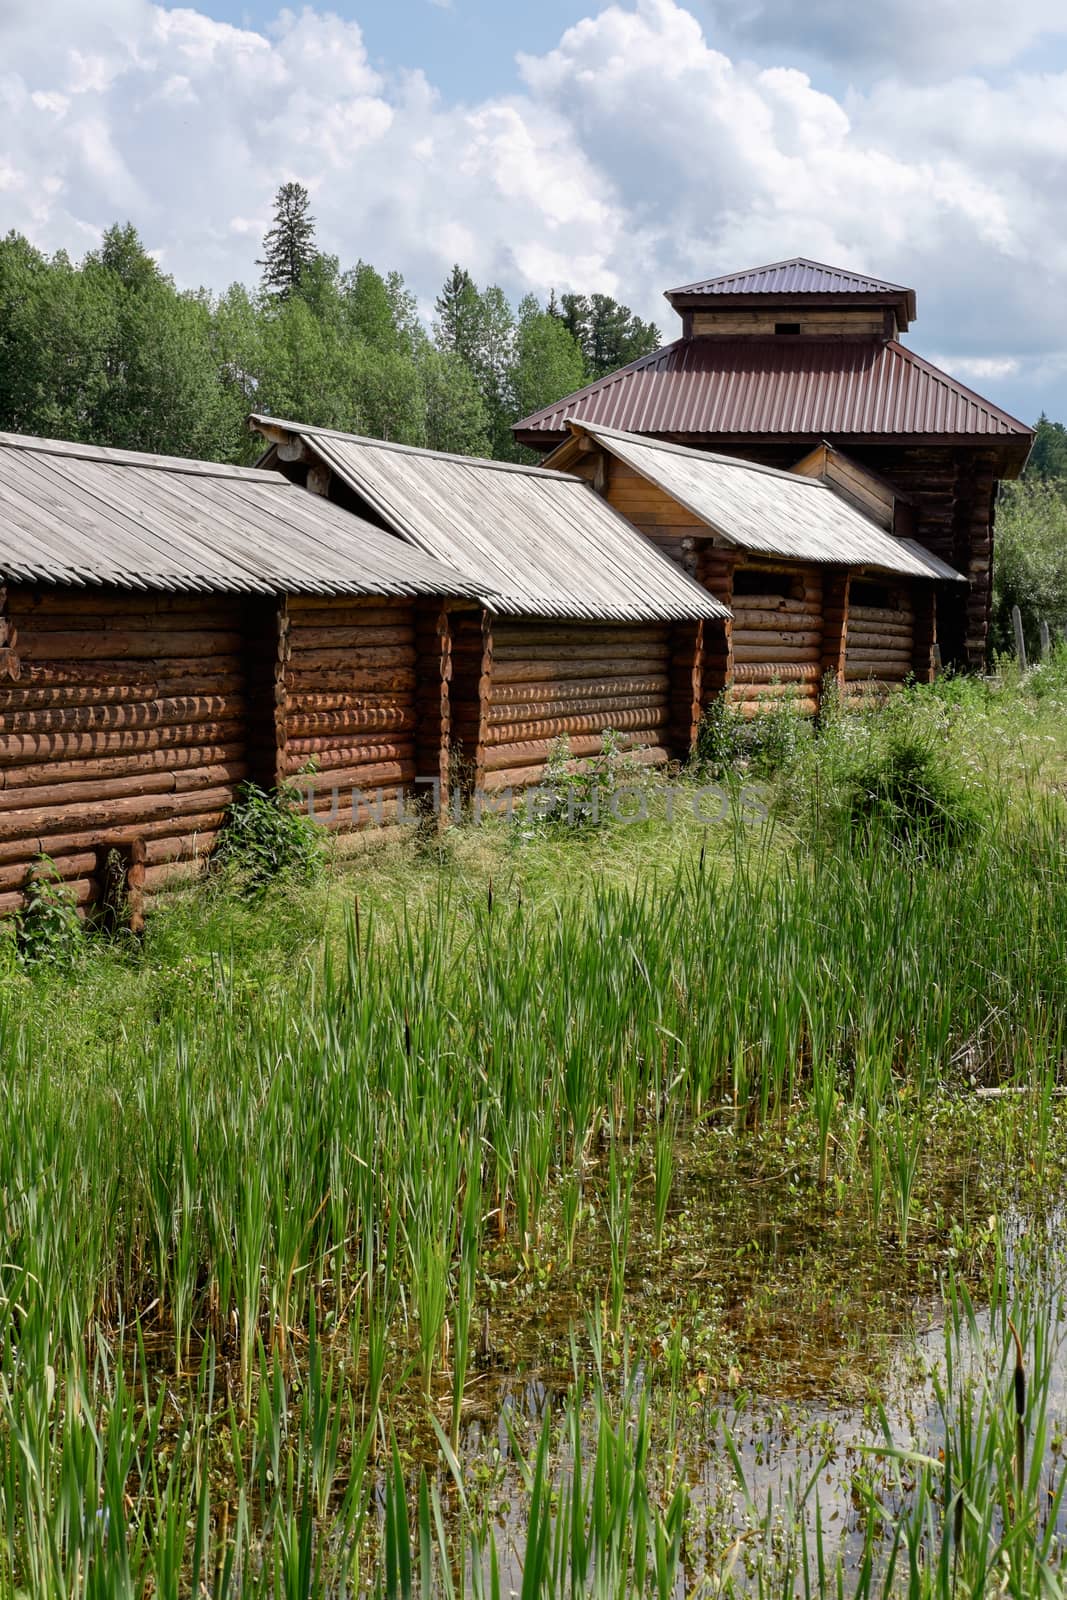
{"points": [[767, 511], [74, 513], [545, 541]]}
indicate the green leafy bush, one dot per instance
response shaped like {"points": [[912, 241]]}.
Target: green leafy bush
{"points": [[266, 838], [48, 930], [764, 744], [1030, 563], [578, 791], [907, 792]]}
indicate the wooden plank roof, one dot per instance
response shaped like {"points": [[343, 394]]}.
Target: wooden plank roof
{"points": [[77, 514], [545, 543], [793, 389], [766, 511]]}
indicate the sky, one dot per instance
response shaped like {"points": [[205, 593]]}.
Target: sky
{"points": [[574, 145]]}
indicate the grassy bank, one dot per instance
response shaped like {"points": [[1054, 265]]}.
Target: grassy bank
{"points": [[428, 1212]]}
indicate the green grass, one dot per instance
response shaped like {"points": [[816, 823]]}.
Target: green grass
{"points": [[296, 1191]]}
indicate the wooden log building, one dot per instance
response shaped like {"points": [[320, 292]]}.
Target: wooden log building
{"points": [[775, 361], [591, 627], [816, 566], [171, 628]]}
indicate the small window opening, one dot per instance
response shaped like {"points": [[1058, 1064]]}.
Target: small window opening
{"points": [[787, 327], [751, 580], [871, 594]]}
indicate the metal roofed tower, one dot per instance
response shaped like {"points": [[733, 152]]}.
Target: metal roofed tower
{"points": [[774, 360]]}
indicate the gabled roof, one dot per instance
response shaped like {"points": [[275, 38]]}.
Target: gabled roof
{"points": [[797, 276], [537, 542], [76, 514], [799, 390], [768, 512]]}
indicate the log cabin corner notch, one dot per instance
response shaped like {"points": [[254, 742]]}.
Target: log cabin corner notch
{"points": [[815, 585], [591, 628], [173, 628]]}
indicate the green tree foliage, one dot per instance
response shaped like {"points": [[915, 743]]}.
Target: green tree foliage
{"points": [[608, 334], [548, 361], [289, 246], [1030, 561], [109, 351], [1048, 458]]}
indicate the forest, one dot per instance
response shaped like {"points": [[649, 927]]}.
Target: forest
{"points": [[109, 351]]}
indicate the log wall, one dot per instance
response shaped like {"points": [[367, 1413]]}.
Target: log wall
{"points": [[880, 645], [126, 720], [549, 679], [348, 717]]}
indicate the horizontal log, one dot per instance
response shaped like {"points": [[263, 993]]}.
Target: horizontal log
{"points": [[554, 727], [91, 791], [191, 846], [82, 890], [128, 645], [523, 752], [880, 614], [48, 601], [328, 757], [89, 769], [336, 638], [542, 710], [508, 672], [311, 724], [64, 843], [212, 619], [757, 620], [747, 605], [858, 655], [806, 707], [335, 660], [770, 690], [787, 671], [768, 641], [15, 874], [97, 721], [876, 671], [588, 650], [504, 695], [377, 681], [786, 654], [42, 697], [522, 777], [82, 674], [369, 776], [348, 615], [602, 635], [170, 875], [130, 815]]}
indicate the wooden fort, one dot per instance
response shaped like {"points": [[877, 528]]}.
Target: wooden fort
{"points": [[775, 362], [171, 629], [817, 568], [586, 627]]}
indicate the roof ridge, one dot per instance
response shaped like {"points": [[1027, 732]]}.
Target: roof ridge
{"points": [[653, 442], [789, 261], [114, 455], [310, 431]]}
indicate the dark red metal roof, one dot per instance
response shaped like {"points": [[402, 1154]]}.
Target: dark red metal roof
{"points": [[797, 276], [805, 388]]}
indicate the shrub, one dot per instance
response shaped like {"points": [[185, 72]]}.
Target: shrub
{"points": [[1030, 563], [907, 792], [267, 838], [579, 790], [764, 744], [48, 930]]}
